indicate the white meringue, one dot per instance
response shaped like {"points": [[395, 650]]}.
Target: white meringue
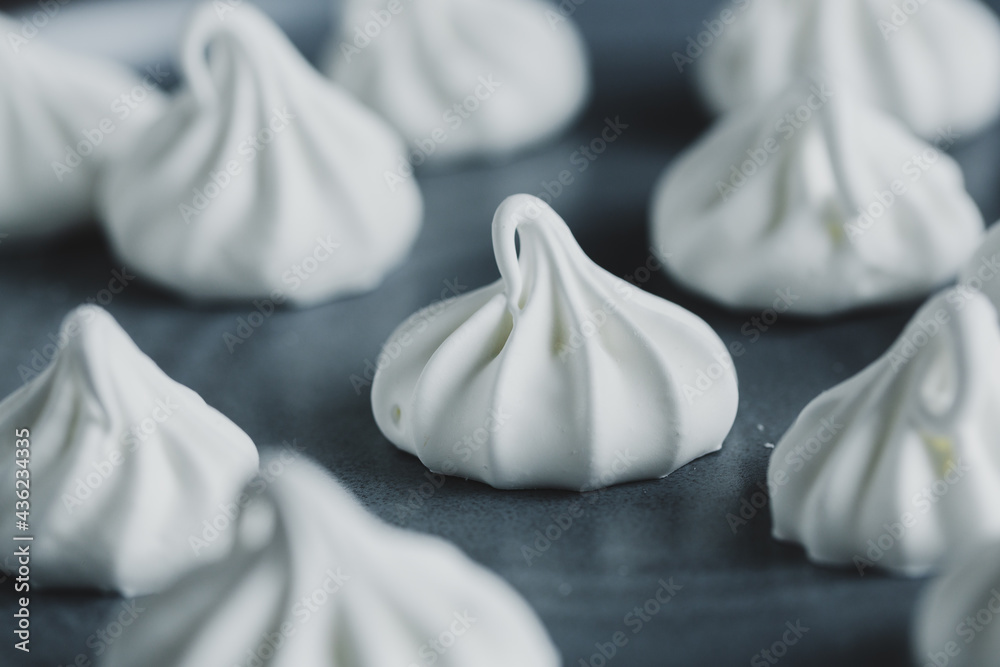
{"points": [[62, 116], [900, 465], [463, 77], [315, 580], [936, 67], [263, 178], [958, 618], [816, 194], [982, 271], [125, 464], [558, 375]]}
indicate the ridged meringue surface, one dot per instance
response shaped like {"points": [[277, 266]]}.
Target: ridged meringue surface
{"points": [[899, 466], [818, 194], [61, 117], [315, 580], [261, 177], [558, 375], [461, 78], [957, 622], [125, 464], [982, 271], [932, 64]]}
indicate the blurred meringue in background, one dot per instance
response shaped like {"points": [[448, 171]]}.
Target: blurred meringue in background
{"points": [[126, 464], [314, 579], [898, 468], [559, 375], [63, 117], [935, 67], [982, 271], [818, 196], [262, 179], [461, 78], [957, 622]]}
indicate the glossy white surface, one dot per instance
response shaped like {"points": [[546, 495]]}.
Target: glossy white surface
{"points": [[558, 375]]}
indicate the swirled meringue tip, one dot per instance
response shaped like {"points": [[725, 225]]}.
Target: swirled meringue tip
{"points": [[263, 179], [957, 621], [315, 580], [463, 78], [982, 271], [63, 117], [933, 68], [558, 375], [125, 464], [899, 466], [816, 199]]}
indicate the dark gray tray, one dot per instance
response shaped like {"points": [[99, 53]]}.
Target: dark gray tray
{"points": [[291, 382]]}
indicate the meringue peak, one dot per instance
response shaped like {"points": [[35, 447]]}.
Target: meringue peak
{"points": [[909, 441], [187, 209], [558, 375], [338, 587], [126, 463], [818, 193]]}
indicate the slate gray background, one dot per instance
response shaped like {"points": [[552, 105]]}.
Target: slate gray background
{"points": [[290, 381]]}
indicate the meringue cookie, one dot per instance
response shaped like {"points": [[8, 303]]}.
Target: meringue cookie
{"points": [[982, 271], [816, 194], [934, 68], [125, 464], [315, 580], [962, 608], [61, 119], [463, 77], [558, 375], [263, 177], [900, 465]]}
